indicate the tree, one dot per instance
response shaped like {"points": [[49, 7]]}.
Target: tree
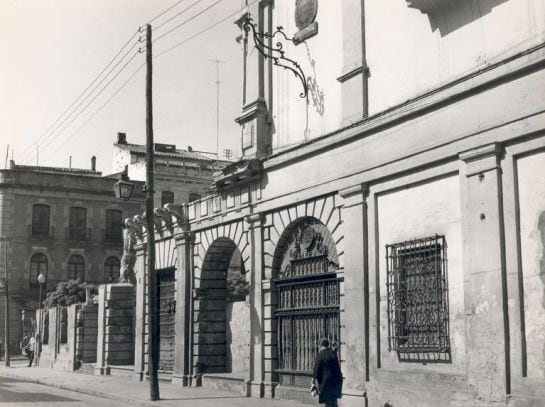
{"points": [[237, 286], [68, 293]]}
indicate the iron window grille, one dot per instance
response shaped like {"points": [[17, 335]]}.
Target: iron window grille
{"points": [[417, 290], [76, 268], [38, 265]]}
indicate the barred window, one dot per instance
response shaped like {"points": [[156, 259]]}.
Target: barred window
{"points": [[418, 317], [111, 270], [38, 265], [114, 225], [76, 268], [40, 220], [167, 197]]}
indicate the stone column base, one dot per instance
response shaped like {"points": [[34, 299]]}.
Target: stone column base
{"points": [[100, 371], [256, 389], [269, 389], [139, 376], [183, 380]]}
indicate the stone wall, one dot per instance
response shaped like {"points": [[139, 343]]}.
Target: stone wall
{"points": [[86, 333], [238, 337], [115, 344]]}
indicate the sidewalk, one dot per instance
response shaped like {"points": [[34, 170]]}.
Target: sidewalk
{"points": [[135, 392]]}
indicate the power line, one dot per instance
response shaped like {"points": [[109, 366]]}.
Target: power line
{"points": [[87, 97], [202, 31], [92, 100], [81, 94], [101, 107], [176, 15], [164, 11], [188, 20]]}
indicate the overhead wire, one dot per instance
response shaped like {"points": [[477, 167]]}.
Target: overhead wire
{"points": [[86, 98], [176, 15], [124, 67], [92, 100], [31, 146], [101, 107], [201, 32], [188, 20], [164, 11]]}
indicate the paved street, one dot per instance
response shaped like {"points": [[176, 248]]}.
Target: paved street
{"points": [[46, 387], [19, 392]]}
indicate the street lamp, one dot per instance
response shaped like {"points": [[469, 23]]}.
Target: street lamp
{"points": [[123, 189], [41, 281]]}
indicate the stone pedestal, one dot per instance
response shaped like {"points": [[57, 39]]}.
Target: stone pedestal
{"points": [[115, 327]]}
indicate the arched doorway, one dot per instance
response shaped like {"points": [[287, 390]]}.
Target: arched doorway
{"points": [[307, 289], [221, 311]]}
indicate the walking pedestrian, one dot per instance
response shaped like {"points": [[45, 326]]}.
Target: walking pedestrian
{"points": [[29, 347], [327, 375]]}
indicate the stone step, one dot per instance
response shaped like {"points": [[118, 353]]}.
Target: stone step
{"points": [[226, 381]]}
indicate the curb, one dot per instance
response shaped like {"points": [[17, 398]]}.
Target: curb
{"points": [[76, 389]]}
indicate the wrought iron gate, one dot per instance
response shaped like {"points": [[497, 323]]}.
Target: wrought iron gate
{"points": [[308, 310], [167, 313]]}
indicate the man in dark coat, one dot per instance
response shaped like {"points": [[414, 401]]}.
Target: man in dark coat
{"points": [[327, 375]]}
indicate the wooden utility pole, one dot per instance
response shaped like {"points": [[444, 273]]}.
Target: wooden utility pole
{"points": [[153, 342], [6, 309]]}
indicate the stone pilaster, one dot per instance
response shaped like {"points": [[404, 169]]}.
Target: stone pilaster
{"points": [[182, 364], [354, 303], [484, 274], [254, 120], [354, 74], [256, 379]]}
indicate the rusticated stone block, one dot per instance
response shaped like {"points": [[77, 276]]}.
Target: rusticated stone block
{"points": [[206, 284], [119, 338], [119, 329], [211, 360], [210, 327], [209, 349], [209, 316], [209, 339], [127, 303], [90, 323], [113, 313], [113, 356], [118, 347], [209, 305], [119, 321]]}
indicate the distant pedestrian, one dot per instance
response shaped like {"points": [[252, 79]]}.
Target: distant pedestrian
{"points": [[29, 347], [327, 375]]}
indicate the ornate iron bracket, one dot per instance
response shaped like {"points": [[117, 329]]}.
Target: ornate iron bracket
{"points": [[276, 53]]}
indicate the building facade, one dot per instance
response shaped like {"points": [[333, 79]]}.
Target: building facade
{"points": [[180, 175], [64, 223], [396, 208]]}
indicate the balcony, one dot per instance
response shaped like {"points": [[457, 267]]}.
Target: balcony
{"points": [[112, 237], [77, 235], [40, 233]]}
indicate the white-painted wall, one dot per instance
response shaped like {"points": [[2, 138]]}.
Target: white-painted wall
{"points": [[532, 206], [418, 212], [406, 57], [290, 112]]}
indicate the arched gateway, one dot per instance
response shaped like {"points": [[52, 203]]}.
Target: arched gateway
{"points": [[308, 297]]}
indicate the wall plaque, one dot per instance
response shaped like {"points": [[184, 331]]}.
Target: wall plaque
{"points": [[305, 16]]}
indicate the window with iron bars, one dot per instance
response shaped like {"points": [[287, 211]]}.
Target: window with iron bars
{"points": [[417, 289]]}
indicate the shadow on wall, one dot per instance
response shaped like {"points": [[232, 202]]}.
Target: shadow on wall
{"points": [[541, 228], [448, 16]]}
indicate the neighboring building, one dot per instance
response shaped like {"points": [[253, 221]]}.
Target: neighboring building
{"points": [[398, 209], [180, 175], [62, 222]]}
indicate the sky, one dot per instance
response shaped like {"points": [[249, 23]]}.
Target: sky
{"points": [[54, 49]]}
